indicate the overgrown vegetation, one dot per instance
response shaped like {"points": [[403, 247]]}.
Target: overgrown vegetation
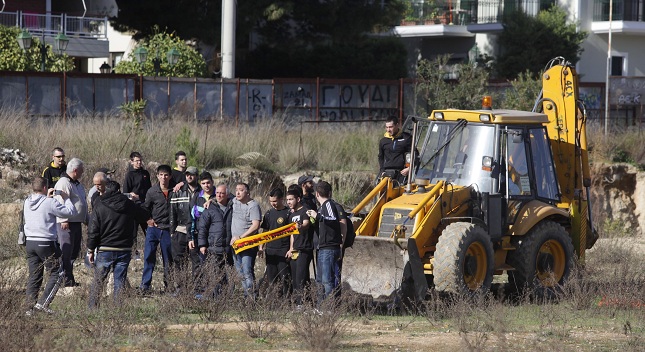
{"points": [[599, 308], [440, 93], [529, 42], [624, 145], [190, 63], [12, 58]]}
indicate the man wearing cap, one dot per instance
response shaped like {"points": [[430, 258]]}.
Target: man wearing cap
{"points": [[181, 221], [308, 198]]}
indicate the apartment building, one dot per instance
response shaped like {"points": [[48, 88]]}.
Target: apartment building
{"points": [[92, 41], [467, 28]]}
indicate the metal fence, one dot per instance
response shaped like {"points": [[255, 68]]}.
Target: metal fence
{"points": [[52, 24], [246, 100], [466, 12]]}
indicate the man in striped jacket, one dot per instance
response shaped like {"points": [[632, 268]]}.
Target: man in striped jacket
{"points": [[181, 220]]}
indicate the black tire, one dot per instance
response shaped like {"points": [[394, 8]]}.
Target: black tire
{"points": [[543, 260], [464, 260]]}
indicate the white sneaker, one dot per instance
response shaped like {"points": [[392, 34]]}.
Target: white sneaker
{"points": [[43, 309]]}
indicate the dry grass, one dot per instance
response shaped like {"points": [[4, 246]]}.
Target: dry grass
{"points": [[601, 307], [282, 146], [622, 145]]}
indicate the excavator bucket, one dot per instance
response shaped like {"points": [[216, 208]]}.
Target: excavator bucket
{"points": [[373, 266]]}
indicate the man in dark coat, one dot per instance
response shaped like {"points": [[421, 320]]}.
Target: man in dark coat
{"points": [[109, 238]]}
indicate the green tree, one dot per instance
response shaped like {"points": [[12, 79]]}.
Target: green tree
{"points": [[438, 92], [523, 92], [528, 43], [189, 19], [190, 64], [12, 58], [282, 33], [368, 58], [327, 39]]}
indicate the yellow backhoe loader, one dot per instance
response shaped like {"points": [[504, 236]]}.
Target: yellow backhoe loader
{"points": [[493, 192]]}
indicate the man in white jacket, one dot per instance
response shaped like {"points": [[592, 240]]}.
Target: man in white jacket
{"points": [[70, 229], [43, 250]]}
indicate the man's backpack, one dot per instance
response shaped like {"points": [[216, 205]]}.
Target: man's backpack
{"points": [[351, 232]]}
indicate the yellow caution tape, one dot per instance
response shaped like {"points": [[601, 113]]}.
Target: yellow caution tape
{"points": [[264, 237]]}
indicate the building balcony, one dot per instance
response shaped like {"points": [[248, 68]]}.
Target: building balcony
{"points": [[477, 15], [628, 17], [623, 10], [87, 35]]}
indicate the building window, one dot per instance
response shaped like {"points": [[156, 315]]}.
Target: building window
{"points": [[617, 65]]}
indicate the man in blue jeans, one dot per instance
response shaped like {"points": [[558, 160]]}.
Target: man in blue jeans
{"points": [[158, 231], [245, 222], [330, 240], [109, 234]]}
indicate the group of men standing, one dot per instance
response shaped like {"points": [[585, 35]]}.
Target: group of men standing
{"points": [[188, 218]]}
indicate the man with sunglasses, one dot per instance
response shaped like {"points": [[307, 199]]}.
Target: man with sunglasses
{"points": [[56, 167]]}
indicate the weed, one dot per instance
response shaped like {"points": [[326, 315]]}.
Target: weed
{"points": [[186, 142], [261, 317], [579, 292], [322, 327], [478, 317]]}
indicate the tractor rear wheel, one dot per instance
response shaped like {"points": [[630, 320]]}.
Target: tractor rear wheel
{"points": [[543, 260], [463, 261]]}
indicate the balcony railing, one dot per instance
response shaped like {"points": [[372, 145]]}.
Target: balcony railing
{"points": [[623, 10], [466, 12], [50, 24]]}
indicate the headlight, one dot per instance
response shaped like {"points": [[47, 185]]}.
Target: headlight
{"points": [[487, 163], [438, 115]]}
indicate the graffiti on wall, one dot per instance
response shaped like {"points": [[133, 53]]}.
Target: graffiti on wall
{"points": [[339, 102], [592, 97], [627, 90], [259, 101]]}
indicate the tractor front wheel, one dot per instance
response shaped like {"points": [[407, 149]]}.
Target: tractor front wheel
{"points": [[463, 261]]}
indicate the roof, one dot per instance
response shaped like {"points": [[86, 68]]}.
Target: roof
{"points": [[499, 116]]}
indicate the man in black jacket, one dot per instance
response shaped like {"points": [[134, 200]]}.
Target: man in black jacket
{"points": [[329, 242], [158, 231], [392, 149], [225, 202], [136, 185], [110, 235], [212, 244], [137, 180], [181, 221], [56, 168]]}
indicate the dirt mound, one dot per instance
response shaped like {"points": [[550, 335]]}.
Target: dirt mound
{"points": [[618, 195]]}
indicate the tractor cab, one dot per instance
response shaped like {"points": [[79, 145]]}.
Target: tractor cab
{"points": [[512, 159]]}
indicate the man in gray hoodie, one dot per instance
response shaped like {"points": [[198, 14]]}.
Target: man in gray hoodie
{"points": [[43, 251], [70, 227]]}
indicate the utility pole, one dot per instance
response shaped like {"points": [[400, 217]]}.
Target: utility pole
{"points": [[611, 9], [229, 10]]}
